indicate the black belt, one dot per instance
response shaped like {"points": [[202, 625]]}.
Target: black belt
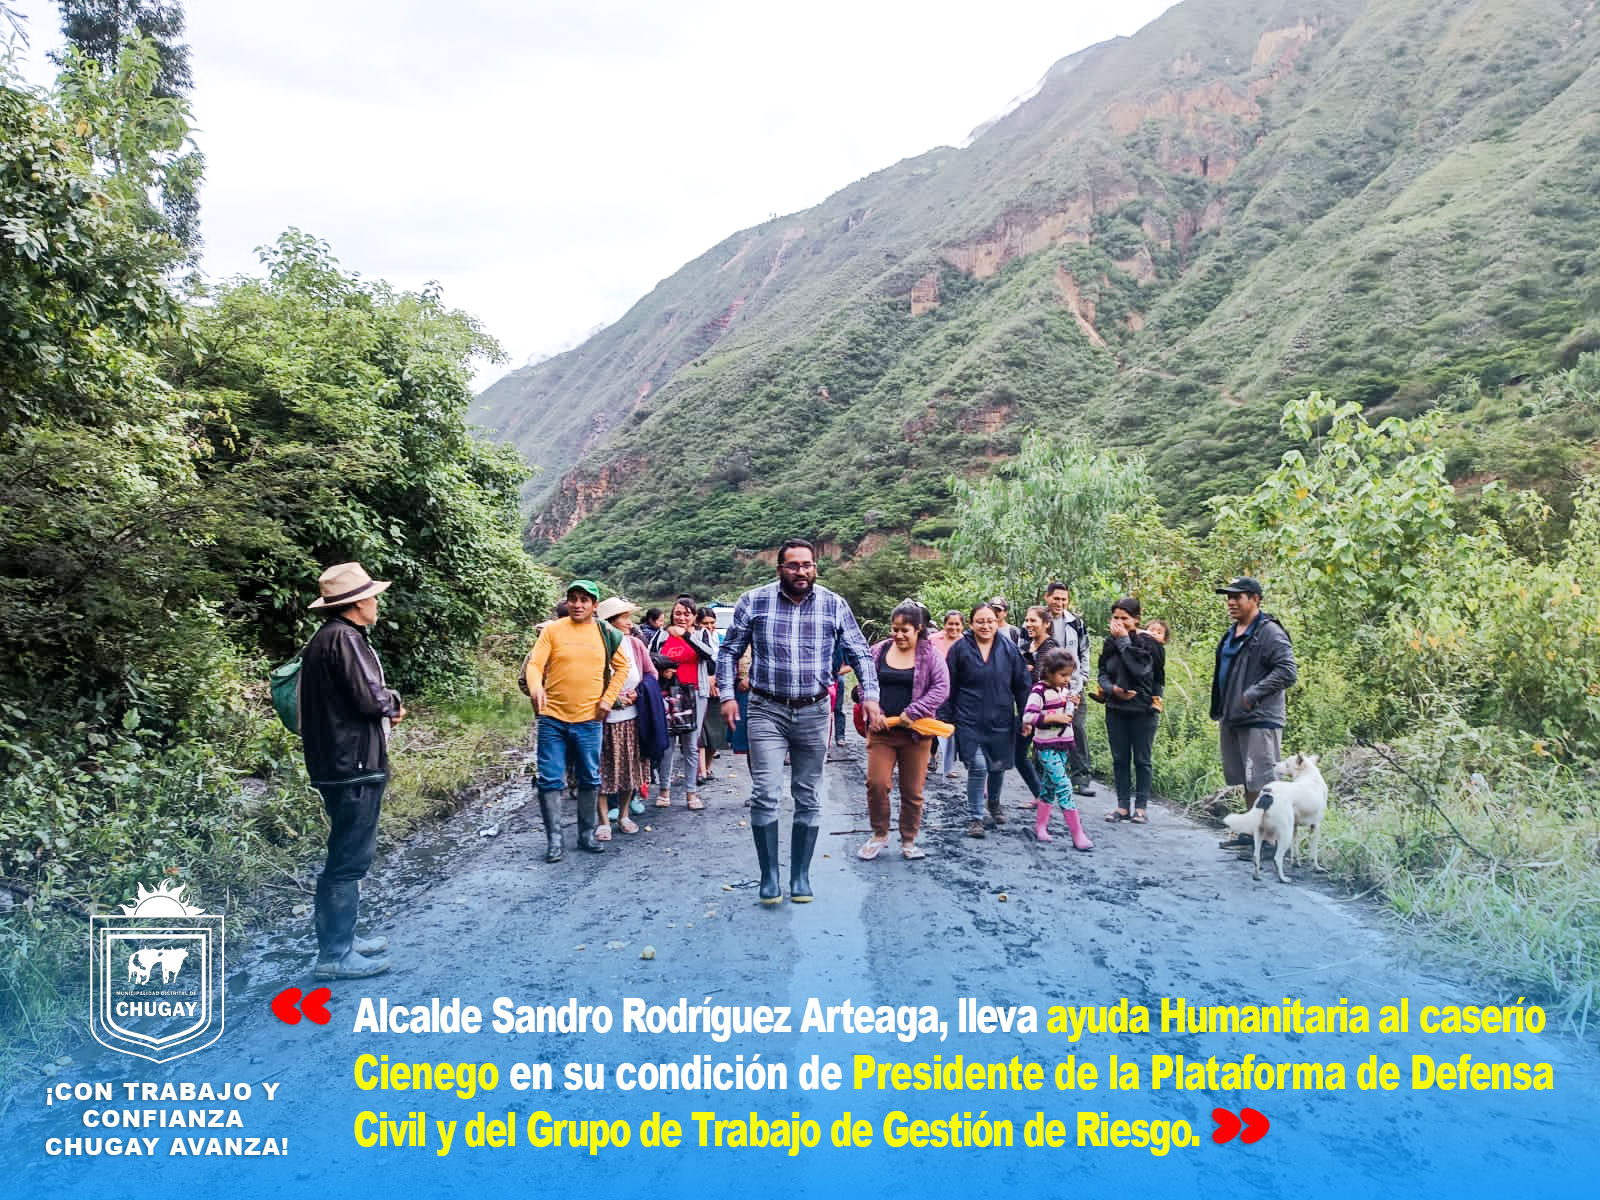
{"points": [[788, 702]]}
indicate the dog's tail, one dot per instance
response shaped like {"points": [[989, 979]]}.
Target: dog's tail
{"points": [[1247, 822]]}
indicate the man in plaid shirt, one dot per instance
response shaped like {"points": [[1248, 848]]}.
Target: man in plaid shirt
{"points": [[791, 627]]}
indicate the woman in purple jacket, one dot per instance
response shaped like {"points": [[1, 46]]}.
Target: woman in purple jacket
{"points": [[912, 683]]}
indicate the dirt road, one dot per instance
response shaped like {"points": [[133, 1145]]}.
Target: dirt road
{"points": [[1152, 912]]}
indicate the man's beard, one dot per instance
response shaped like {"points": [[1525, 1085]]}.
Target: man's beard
{"points": [[788, 588]]}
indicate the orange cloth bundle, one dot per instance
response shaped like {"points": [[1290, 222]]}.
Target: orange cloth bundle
{"points": [[927, 726]]}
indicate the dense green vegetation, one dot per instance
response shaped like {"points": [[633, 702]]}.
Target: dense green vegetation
{"points": [[1457, 634], [1181, 232], [1395, 206], [175, 471]]}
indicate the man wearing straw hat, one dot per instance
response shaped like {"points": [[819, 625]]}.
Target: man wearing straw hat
{"points": [[346, 710]]}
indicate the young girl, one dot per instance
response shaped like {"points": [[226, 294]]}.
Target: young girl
{"points": [[1048, 716]]}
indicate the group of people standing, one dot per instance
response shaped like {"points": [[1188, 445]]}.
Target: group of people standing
{"points": [[617, 704], [1018, 700], [620, 708]]}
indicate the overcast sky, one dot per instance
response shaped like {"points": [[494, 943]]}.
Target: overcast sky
{"points": [[549, 161]]}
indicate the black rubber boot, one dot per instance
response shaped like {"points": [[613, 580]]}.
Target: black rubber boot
{"points": [[335, 923], [550, 812], [767, 855], [588, 818], [802, 841]]}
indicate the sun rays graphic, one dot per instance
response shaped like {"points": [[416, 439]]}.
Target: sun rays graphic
{"points": [[165, 901]]}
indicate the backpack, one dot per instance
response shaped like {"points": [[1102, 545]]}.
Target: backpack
{"points": [[610, 638], [285, 684]]}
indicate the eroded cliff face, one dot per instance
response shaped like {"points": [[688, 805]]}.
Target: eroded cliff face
{"points": [[1201, 131], [1191, 127], [579, 496]]}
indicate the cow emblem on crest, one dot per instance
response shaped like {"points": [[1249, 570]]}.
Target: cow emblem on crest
{"points": [[155, 976]]}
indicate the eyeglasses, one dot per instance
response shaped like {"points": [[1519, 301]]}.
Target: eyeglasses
{"points": [[800, 566]]}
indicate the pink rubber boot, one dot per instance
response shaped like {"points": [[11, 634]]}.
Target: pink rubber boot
{"points": [[1041, 820], [1080, 840]]}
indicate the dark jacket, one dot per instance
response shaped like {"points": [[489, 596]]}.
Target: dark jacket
{"points": [[1263, 671], [1138, 663], [930, 680], [651, 719], [343, 705], [988, 698], [1031, 657]]}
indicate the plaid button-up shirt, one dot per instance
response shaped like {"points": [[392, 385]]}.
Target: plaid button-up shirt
{"points": [[792, 644]]}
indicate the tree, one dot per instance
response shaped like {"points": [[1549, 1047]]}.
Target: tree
{"points": [[337, 406], [1046, 516], [99, 32], [1358, 526], [100, 27], [100, 568]]}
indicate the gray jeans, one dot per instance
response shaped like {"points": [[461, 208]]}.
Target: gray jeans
{"points": [[774, 730], [681, 756]]}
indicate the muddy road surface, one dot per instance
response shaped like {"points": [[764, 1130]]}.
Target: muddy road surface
{"points": [[1153, 913]]}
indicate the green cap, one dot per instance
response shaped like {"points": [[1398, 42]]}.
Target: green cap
{"points": [[585, 585]]}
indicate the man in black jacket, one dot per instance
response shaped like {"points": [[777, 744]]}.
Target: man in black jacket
{"points": [[1255, 668], [346, 710]]}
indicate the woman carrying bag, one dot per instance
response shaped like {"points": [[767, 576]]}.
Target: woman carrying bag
{"points": [[912, 684]]}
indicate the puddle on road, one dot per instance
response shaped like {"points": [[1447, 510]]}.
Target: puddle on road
{"points": [[830, 939]]}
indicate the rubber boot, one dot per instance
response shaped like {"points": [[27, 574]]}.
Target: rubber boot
{"points": [[767, 856], [1041, 821], [1080, 840], [550, 813], [588, 818], [802, 841], [335, 923]]}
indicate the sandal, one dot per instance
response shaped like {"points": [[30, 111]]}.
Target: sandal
{"points": [[628, 826], [1139, 818], [663, 801], [870, 848], [910, 851], [1119, 814], [636, 806], [696, 804], [602, 833]]}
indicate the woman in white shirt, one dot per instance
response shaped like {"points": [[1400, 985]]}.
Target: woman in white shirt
{"points": [[623, 770]]}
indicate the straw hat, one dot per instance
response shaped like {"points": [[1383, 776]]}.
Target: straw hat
{"points": [[613, 605], [345, 583]]}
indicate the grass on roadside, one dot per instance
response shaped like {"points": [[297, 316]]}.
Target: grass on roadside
{"points": [[247, 845]]}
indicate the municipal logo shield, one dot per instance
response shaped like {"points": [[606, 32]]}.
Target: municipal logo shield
{"points": [[155, 976]]}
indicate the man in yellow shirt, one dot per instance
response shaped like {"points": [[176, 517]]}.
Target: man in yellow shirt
{"points": [[575, 673]]}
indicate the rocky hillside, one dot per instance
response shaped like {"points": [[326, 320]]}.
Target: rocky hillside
{"points": [[1182, 228]]}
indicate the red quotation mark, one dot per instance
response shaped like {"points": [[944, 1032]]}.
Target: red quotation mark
{"points": [[1255, 1126], [287, 1006]]}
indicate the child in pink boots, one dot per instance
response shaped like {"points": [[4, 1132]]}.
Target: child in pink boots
{"points": [[1048, 717]]}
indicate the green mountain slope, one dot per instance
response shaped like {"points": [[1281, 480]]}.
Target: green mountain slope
{"points": [[1178, 231]]}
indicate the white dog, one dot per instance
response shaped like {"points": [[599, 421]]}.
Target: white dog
{"points": [[1297, 799], [1271, 820], [1300, 781]]}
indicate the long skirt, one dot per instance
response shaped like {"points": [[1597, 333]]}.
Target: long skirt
{"points": [[622, 767]]}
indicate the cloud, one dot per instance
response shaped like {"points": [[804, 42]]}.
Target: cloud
{"points": [[549, 161]]}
